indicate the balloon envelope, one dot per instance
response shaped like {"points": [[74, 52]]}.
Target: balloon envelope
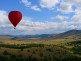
{"points": [[15, 17]]}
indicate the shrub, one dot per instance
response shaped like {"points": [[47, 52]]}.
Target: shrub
{"points": [[50, 50], [41, 54], [33, 52], [6, 53], [28, 50]]}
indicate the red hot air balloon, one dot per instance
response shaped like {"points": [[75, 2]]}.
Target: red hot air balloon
{"points": [[15, 17]]}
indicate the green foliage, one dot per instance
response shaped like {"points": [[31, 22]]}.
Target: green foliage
{"points": [[49, 49], [33, 52], [41, 54], [21, 46], [28, 50], [6, 53], [46, 53]]}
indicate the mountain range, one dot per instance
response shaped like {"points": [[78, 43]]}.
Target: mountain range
{"points": [[67, 33], [48, 36]]}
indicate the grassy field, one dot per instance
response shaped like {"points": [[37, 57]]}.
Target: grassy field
{"points": [[67, 49]]}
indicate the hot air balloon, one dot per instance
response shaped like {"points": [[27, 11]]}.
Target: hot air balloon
{"points": [[15, 17]]}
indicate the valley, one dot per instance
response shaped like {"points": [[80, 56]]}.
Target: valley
{"points": [[61, 47]]}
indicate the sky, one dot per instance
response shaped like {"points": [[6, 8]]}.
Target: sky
{"points": [[40, 16]]}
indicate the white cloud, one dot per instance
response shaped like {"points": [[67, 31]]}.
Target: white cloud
{"points": [[76, 3], [65, 7], [59, 17], [36, 8], [29, 4], [77, 17], [27, 26], [3, 18], [78, 11], [26, 3], [48, 3]]}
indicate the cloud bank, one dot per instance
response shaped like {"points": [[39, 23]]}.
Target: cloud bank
{"points": [[28, 26]]}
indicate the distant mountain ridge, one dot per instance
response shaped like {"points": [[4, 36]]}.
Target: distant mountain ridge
{"points": [[67, 33], [33, 36], [46, 36]]}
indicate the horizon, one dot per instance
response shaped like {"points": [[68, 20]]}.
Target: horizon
{"points": [[41, 34], [41, 16]]}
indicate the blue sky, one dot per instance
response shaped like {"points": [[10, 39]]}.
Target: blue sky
{"points": [[41, 16]]}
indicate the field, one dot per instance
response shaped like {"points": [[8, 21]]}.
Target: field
{"points": [[65, 49]]}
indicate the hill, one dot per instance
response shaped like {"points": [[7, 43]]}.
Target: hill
{"points": [[66, 34], [75, 33], [52, 36], [5, 37], [43, 47]]}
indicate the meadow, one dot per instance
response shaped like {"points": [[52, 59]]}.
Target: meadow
{"points": [[64, 49]]}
